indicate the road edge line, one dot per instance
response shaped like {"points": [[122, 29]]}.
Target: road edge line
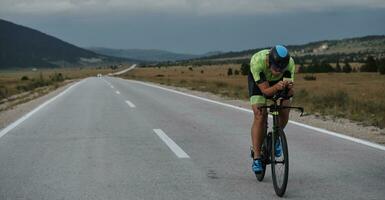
{"points": [[29, 114], [321, 130]]}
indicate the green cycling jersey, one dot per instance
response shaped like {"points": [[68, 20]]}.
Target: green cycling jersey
{"points": [[259, 64], [261, 72]]}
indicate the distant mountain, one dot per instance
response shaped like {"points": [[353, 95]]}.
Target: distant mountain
{"points": [[144, 54], [23, 47], [351, 49], [154, 55]]}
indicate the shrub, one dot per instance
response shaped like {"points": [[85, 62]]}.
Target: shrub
{"points": [[24, 78], [229, 72], [347, 68], [3, 92], [22, 88], [381, 66], [316, 67], [159, 75], [310, 78], [338, 67], [370, 65], [202, 71], [236, 72], [221, 84], [190, 68], [57, 77], [245, 68]]}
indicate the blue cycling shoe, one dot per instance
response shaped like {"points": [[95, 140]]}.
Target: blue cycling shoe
{"points": [[257, 166], [278, 148]]}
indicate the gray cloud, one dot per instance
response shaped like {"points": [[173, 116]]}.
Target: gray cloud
{"points": [[196, 26], [196, 7]]}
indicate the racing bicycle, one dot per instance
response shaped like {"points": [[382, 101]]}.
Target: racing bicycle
{"points": [[279, 165]]}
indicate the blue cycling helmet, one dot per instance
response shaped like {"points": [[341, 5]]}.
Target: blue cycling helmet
{"points": [[279, 58]]}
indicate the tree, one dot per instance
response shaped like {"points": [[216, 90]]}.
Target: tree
{"points": [[229, 72], [381, 66], [316, 67], [326, 67], [245, 68], [338, 66], [370, 65], [347, 68]]}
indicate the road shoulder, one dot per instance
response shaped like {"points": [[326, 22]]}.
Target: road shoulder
{"points": [[17, 111], [339, 125]]}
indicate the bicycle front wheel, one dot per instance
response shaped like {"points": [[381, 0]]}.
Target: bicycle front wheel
{"points": [[280, 164]]}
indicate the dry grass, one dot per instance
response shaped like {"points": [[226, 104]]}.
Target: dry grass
{"points": [[14, 90], [9, 80], [357, 96]]}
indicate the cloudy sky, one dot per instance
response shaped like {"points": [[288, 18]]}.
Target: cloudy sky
{"points": [[197, 26]]}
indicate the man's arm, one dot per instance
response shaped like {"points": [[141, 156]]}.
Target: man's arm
{"points": [[271, 90]]}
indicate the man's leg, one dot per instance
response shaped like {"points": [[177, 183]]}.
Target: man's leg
{"points": [[284, 114], [257, 129]]}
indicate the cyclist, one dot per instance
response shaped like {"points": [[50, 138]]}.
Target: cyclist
{"points": [[271, 71]]}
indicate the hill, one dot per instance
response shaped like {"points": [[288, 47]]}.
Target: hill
{"points": [[153, 55], [351, 49], [22, 47]]}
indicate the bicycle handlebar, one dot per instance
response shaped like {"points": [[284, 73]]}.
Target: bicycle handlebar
{"points": [[279, 107], [282, 94]]}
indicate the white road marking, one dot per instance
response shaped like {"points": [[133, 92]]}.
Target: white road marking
{"points": [[123, 71], [106, 81], [339, 135], [28, 115], [130, 104], [171, 144], [112, 86], [117, 92]]}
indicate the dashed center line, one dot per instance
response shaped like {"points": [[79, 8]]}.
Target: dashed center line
{"points": [[171, 144], [130, 104]]}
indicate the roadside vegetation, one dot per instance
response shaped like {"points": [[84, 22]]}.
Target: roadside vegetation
{"points": [[358, 96], [18, 86]]}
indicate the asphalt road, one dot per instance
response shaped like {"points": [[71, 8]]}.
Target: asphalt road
{"points": [[105, 138]]}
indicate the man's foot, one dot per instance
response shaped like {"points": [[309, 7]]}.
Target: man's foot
{"points": [[257, 166], [278, 148]]}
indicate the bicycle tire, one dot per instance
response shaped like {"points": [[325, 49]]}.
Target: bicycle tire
{"points": [[280, 188]]}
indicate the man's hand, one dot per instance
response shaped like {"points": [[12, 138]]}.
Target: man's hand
{"points": [[289, 84], [280, 85]]}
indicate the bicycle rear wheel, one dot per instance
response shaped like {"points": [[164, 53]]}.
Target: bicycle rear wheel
{"points": [[280, 165]]}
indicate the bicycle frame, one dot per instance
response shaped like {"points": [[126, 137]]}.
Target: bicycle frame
{"points": [[268, 146], [274, 109]]}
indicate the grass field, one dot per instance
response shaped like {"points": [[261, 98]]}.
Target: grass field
{"points": [[10, 80], [18, 86], [356, 96]]}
